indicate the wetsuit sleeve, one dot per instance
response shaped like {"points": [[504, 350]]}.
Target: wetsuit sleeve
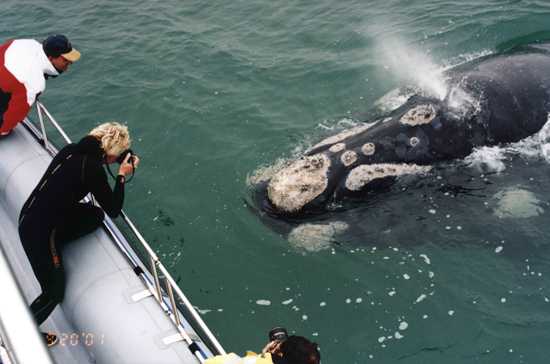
{"points": [[110, 200]]}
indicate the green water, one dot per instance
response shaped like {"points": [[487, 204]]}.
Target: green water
{"points": [[212, 91]]}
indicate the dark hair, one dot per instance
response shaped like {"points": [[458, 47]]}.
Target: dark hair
{"points": [[299, 350]]}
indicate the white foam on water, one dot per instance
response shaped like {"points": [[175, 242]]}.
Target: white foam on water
{"points": [[287, 302], [426, 258], [403, 325], [398, 336], [406, 276], [492, 159], [487, 159], [420, 298], [203, 311], [451, 312], [263, 302], [515, 202], [537, 145], [315, 237]]}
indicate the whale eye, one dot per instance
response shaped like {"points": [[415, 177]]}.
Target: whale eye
{"points": [[420, 114]]}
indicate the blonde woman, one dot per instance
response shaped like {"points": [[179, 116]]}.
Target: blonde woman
{"points": [[54, 215]]}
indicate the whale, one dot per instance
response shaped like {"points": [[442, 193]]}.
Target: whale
{"points": [[496, 99]]}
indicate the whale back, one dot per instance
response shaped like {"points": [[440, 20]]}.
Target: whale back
{"points": [[508, 99]]}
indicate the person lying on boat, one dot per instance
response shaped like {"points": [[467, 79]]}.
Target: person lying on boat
{"points": [[288, 350], [25, 64], [53, 214]]}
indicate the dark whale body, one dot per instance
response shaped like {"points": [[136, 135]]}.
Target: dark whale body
{"points": [[496, 99]]}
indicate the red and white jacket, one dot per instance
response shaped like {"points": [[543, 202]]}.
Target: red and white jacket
{"points": [[23, 64]]}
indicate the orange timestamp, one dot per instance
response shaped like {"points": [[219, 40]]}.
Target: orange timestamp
{"points": [[81, 338]]}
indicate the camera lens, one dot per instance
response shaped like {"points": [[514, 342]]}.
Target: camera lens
{"points": [[278, 334], [123, 155]]}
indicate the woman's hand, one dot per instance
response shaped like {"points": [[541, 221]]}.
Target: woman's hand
{"points": [[126, 168], [273, 348]]}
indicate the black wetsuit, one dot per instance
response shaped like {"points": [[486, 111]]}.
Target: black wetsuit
{"points": [[53, 215]]}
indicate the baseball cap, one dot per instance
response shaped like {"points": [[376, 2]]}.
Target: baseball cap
{"points": [[58, 45]]}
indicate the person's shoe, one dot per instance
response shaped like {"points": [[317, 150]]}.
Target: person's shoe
{"points": [[51, 339]]}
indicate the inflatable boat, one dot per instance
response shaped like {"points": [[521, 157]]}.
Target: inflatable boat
{"points": [[121, 304]]}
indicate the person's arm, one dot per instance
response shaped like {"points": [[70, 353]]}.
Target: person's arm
{"points": [[110, 200], [16, 111]]}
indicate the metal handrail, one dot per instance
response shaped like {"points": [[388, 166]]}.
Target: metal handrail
{"points": [[156, 264]]}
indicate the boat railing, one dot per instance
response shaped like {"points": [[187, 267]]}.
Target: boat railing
{"points": [[170, 297], [20, 342]]}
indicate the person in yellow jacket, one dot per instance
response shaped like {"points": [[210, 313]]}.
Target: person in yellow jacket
{"points": [[249, 358], [293, 350]]}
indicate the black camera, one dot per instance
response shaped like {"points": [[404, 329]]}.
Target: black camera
{"points": [[123, 155], [278, 334]]}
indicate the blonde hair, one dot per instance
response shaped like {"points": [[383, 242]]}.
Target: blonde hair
{"points": [[114, 137]]}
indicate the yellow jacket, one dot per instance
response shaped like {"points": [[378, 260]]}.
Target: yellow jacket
{"points": [[249, 358]]}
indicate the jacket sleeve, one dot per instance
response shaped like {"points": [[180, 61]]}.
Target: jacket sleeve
{"points": [[16, 111], [110, 200]]}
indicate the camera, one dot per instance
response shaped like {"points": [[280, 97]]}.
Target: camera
{"points": [[123, 155], [278, 334]]}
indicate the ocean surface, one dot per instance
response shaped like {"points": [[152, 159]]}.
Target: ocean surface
{"points": [[216, 92]]}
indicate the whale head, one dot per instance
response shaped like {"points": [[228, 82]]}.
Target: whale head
{"points": [[361, 160]]}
